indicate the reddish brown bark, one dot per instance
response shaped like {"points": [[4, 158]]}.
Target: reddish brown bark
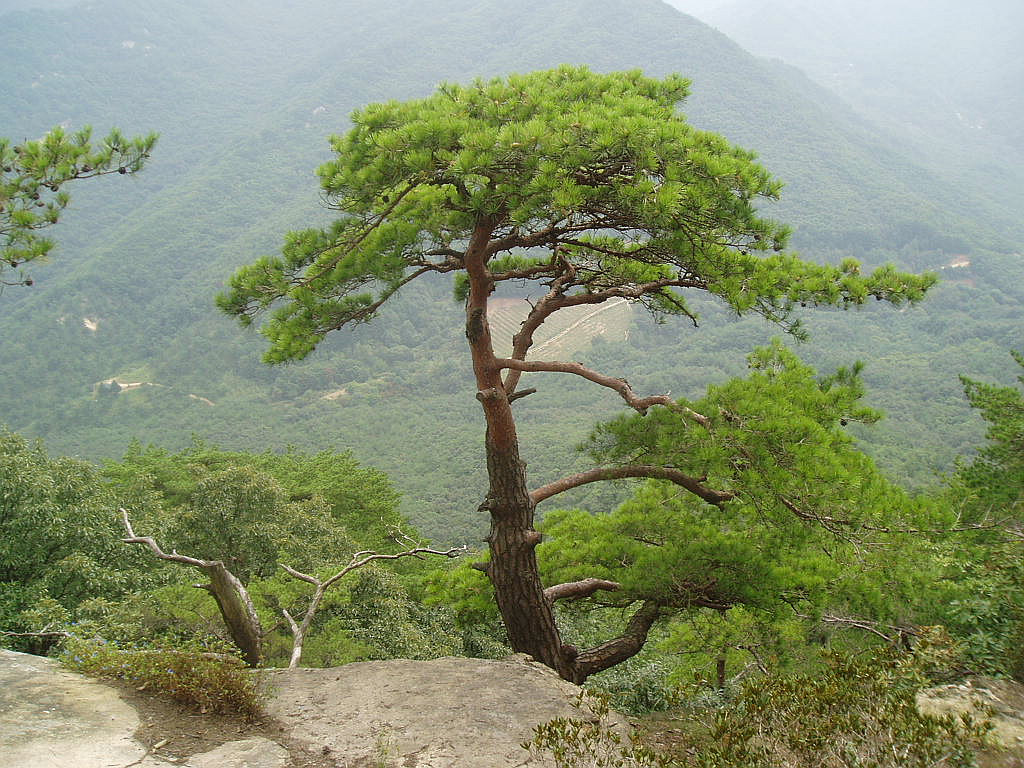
{"points": [[574, 590], [616, 651], [525, 607], [529, 619], [692, 484]]}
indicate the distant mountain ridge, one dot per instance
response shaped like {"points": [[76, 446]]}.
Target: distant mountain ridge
{"points": [[947, 74]]}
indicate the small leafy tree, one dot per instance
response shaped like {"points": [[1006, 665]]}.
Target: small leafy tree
{"points": [[32, 179], [591, 187], [996, 476], [58, 541]]}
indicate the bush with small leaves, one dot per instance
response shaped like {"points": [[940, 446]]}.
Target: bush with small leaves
{"points": [[211, 680], [859, 712], [590, 742]]}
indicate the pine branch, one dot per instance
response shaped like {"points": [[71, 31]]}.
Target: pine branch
{"points": [[692, 484]]}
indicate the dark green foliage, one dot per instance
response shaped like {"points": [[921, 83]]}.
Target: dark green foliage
{"points": [[256, 512], [980, 598], [59, 538], [243, 517], [981, 603], [995, 478]]}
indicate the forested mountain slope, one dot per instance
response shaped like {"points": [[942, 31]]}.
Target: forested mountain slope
{"points": [[244, 96]]}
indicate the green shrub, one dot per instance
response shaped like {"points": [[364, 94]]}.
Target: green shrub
{"points": [[590, 742], [859, 712], [207, 680]]}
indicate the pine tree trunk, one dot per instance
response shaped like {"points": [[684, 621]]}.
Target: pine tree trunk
{"points": [[528, 616]]}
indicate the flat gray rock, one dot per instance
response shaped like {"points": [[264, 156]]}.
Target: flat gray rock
{"points": [[445, 713], [52, 718]]}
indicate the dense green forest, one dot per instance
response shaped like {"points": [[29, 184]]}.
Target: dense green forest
{"points": [[882, 483], [243, 124]]}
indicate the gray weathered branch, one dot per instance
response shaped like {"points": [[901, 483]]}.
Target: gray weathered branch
{"points": [[233, 600], [359, 559], [640, 404], [574, 590]]}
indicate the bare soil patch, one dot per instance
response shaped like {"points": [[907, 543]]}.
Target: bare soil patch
{"points": [[181, 731]]}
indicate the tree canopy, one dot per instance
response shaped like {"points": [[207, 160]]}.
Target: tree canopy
{"points": [[32, 177], [791, 539], [599, 171]]}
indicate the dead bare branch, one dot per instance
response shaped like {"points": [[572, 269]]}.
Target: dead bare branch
{"points": [[359, 559], [233, 600], [640, 404]]}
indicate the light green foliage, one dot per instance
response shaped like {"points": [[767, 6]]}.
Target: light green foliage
{"points": [[814, 528], [599, 169], [748, 639], [245, 518], [464, 592], [59, 538], [776, 440], [382, 615], [32, 177], [173, 615], [314, 496], [258, 511], [206, 678]]}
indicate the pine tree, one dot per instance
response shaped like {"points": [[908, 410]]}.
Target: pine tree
{"points": [[592, 186]]}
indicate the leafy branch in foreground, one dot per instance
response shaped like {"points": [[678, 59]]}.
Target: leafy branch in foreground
{"points": [[32, 177]]}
